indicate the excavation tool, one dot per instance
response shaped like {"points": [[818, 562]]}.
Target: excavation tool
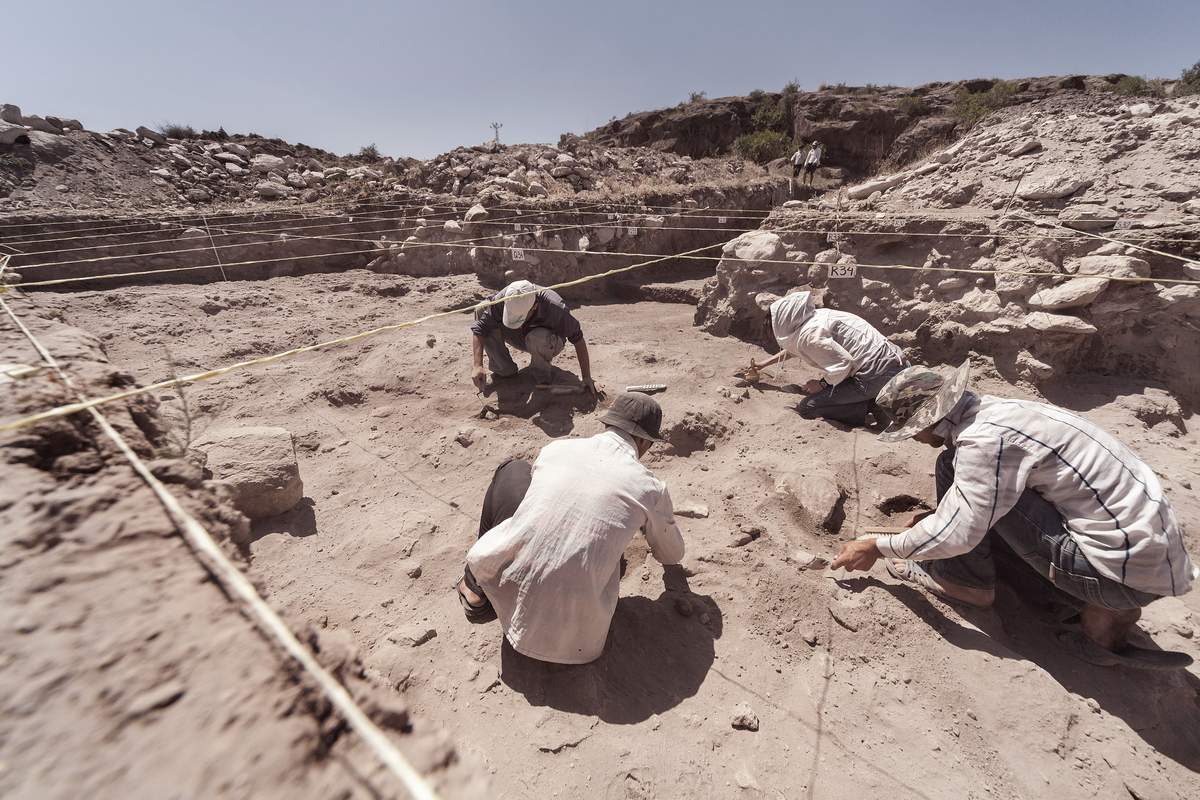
{"points": [[647, 388]]}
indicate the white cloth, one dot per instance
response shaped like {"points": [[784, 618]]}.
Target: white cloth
{"points": [[798, 157], [552, 570], [814, 155], [835, 342], [1111, 502]]}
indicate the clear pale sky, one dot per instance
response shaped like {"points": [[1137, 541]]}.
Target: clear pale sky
{"points": [[419, 78]]}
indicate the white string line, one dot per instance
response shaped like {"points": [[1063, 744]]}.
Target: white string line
{"points": [[274, 232], [1115, 241], [286, 354], [215, 253], [214, 560], [375, 249], [582, 225], [73, 408], [391, 208], [473, 243]]}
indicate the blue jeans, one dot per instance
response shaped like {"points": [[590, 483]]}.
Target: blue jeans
{"points": [[1036, 533]]}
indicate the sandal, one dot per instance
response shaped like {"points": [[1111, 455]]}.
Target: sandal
{"points": [[912, 572], [1130, 655], [475, 614]]}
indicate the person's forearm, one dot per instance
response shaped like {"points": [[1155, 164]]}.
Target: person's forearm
{"points": [[782, 355], [477, 350], [585, 364]]}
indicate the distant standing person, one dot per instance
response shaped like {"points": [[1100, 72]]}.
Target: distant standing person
{"points": [[812, 162], [854, 358], [531, 319], [798, 159]]}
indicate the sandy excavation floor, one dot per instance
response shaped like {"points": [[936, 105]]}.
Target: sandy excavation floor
{"points": [[862, 688]]}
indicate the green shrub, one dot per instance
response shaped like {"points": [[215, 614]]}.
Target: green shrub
{"points": [[173, 130], [696, 97], [1137, 86], [971, 107], [1189, 81], [770, 116], [763, 146], [913, 106], [369, 153], [757, 94]]}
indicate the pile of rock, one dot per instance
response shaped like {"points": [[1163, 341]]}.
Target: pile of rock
{"points": [[1094, 160]]}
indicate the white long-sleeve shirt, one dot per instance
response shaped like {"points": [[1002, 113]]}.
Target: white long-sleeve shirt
{"points": [[1111, 502], [552, 569], [841, 344]]}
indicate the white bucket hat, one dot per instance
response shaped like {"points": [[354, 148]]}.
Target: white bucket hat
{"points": [[516, 310]]}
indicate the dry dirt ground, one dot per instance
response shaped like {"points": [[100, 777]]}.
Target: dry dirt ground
{"points": [[862, 687]]}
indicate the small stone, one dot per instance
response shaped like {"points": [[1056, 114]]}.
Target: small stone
{"points": [[414, 572], [430, 341], [808, 561], [692, 510], [744, 718], [159, 697], [683, 606], [745, 534], [1093, 705], [705, 618], [465, 437], [413, 635]]}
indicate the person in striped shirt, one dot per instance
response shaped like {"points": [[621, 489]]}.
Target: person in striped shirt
{"points": [[1068, 498]]}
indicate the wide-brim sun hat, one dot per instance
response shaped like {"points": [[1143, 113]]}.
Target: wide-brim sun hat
{"points": [[637, 414], [918, 397], [516, 310]]}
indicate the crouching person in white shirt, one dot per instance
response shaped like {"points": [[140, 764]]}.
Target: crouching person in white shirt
{"points": [[1064, 496], [548, 558]]}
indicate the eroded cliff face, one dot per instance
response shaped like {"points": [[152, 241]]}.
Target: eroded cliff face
{"points": [[862, 127]]}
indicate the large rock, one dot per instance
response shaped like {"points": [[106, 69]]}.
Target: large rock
{"points": [[1111, 266], [237, 149], [1052, 183], [259, 465], [476, 213], [814, 497], [755, 246], [11, 134], [150, 134], [1075, 293], [1088, 219], [269, 190], [1057, 323], [267, 163], [865, 190], [230, 158]]}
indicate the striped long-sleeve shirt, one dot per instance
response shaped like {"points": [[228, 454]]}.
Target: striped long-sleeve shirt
{"points": [[1111, 502]]}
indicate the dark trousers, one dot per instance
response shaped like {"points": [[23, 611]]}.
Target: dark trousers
{"points": [[1035, 532], [509, 484], [851, 400]]}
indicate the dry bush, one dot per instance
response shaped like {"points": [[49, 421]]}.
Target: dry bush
{"points": [[971, 107], [1137, 86], [174, 130]]}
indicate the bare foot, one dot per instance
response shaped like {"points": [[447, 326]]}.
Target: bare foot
{"points": [[1108, 628]]}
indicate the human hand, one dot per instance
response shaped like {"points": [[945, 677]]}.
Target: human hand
{"points": [[860, 554], [812, 387], [479, 377]]}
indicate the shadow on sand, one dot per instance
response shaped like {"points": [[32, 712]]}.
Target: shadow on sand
{"points": [[519, 396], [1162, 707], [654, 659]]}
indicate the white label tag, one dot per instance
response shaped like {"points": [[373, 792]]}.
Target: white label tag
{"points": [[517, 227], [722, 220], [843, 270], [633, 230], [518, 254]]}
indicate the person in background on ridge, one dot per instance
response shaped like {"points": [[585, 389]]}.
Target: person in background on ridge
{"points": [[812, 161], [551, 536], [1070, 501], [854, 358], [797, 160], [534, 320]]}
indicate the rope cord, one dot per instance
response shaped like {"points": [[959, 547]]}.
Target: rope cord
{"points": [[236, 585]]}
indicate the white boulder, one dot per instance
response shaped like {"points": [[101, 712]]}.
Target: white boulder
{"points": [[267, 163], [1052, 183], [1075, 293]]}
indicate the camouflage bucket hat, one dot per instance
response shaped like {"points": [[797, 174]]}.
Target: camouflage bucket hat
{"points": [[918, 397]]}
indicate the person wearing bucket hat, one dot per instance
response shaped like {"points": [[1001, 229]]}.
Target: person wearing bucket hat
{"points": [[1061, 494], [531, 319], [854, 358], [551, 535]]}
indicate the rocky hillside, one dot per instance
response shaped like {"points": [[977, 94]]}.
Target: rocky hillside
{"points": [[862, 127]]}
